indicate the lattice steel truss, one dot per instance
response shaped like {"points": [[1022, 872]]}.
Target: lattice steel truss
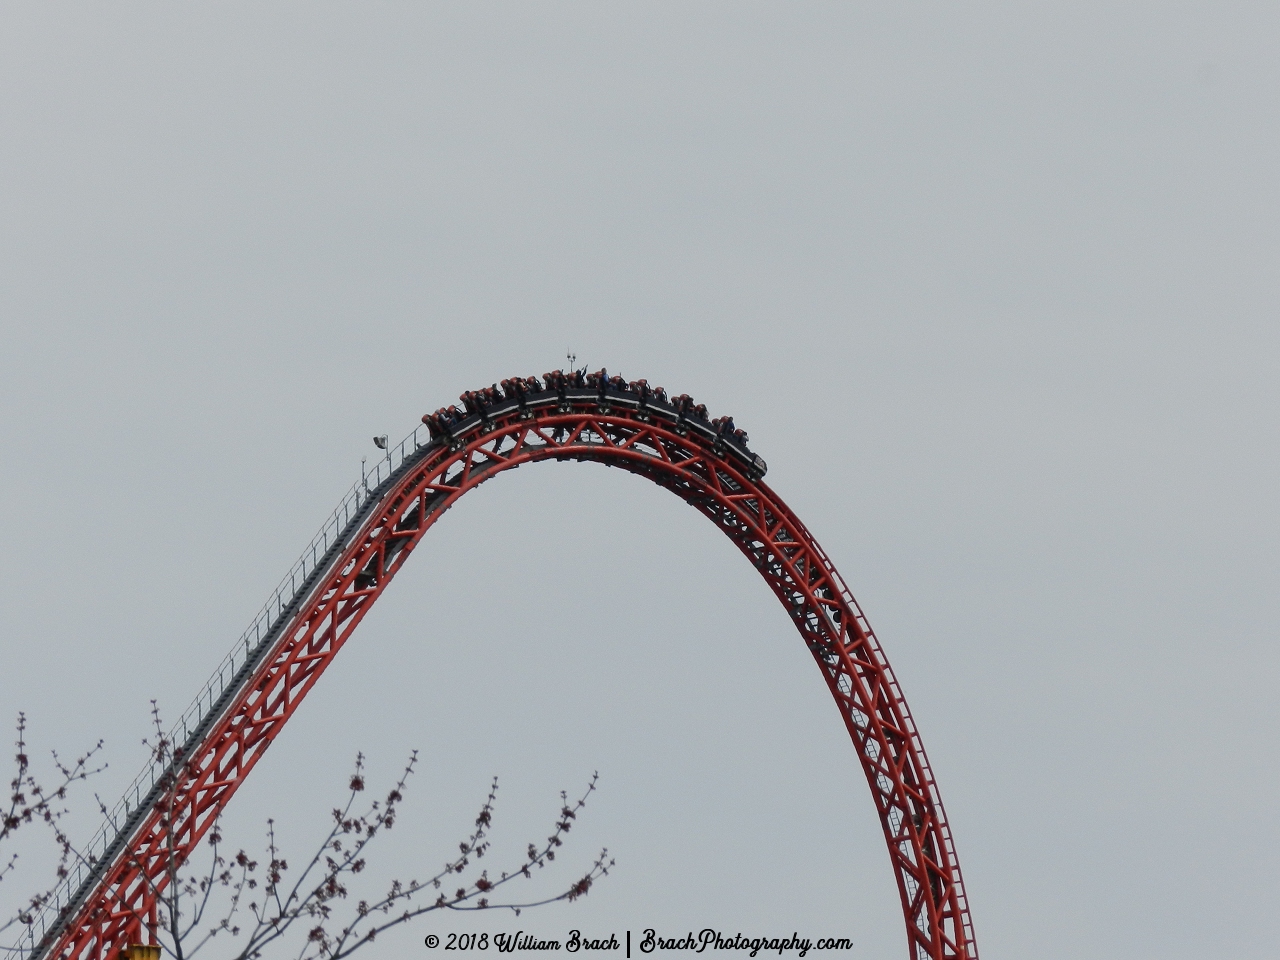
{"points": [[710, 469]]}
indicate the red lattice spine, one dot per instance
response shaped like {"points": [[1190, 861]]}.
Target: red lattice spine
{"points": [[702, 469]]}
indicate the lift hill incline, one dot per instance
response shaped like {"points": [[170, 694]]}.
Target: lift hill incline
{"points": [[109, 899]]}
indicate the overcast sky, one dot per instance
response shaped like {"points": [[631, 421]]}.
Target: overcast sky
{"points": [[993, 288]]}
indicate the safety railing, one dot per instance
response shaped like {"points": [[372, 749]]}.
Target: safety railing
{"points": [[92, 860]]}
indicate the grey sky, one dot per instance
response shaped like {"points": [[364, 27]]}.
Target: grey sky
{"points": [[992, 287]]}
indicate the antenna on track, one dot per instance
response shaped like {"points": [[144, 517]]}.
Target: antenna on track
{"points": [[572, 358]]}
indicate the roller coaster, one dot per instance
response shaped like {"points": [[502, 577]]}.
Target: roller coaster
{"points": [[108, 899]]}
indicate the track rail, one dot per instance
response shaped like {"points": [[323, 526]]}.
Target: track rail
{"points": [[672, 444]]}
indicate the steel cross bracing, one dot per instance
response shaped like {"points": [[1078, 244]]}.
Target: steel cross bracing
{"points": [[712, 471]]}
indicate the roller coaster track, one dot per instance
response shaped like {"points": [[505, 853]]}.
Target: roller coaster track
{"points": [[111, 892]]}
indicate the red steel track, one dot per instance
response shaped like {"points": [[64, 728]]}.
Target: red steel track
{"points": [[708, 469]]}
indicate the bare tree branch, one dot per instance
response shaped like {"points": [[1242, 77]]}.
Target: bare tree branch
{"points": [[275, 908], [264, 907], [33, 804]]}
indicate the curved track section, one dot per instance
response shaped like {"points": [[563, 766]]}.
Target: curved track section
{"points": [[571, 417]]}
